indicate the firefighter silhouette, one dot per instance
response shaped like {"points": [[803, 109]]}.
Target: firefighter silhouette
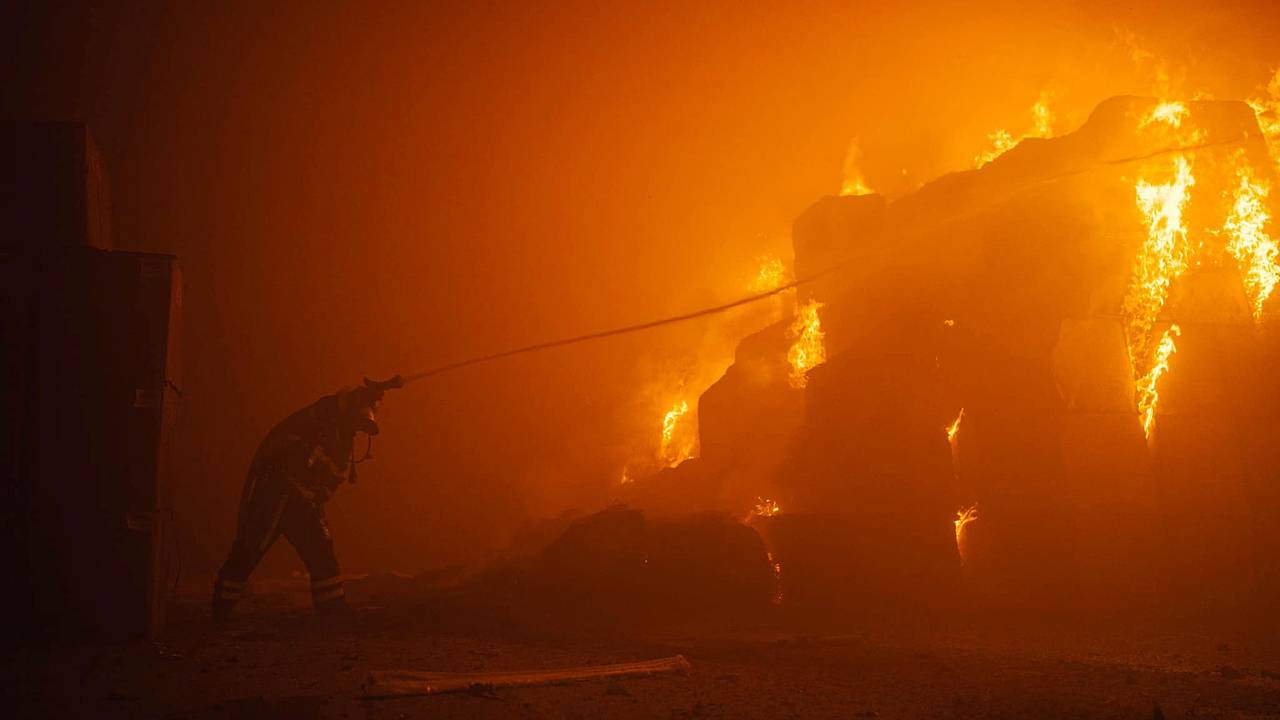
{"points": [[294, 472]]}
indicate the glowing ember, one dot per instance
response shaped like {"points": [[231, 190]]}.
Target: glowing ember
{"points": [[766, 508], [854, 183], [771, 274], [1003, 141], [679, 435], [776, 566], [963, 517], [1148, 385], [1165, 255], [1170, 113], [808, 351], [1247, 238]]}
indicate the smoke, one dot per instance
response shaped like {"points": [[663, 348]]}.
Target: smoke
{"points": [[371, 190]]}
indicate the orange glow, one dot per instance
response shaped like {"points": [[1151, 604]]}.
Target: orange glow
{"points": [[1148, 385], [964, 517], [1247, 239], [808, 350]]}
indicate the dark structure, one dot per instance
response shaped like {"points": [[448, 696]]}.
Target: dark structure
{"points": [[90, 365]]}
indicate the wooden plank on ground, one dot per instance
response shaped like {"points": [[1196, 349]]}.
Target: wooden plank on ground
{"points": [[393, 683]]}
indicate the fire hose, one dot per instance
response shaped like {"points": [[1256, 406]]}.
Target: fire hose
{"points": [[414, 377], [400, 381]]}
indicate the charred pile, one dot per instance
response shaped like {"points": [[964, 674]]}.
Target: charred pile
{"points": [[618, 568]]}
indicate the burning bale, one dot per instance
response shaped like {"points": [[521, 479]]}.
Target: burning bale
{"points": [[1073, 337], [1099, 304]]}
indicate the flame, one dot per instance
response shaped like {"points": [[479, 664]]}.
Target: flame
{"points": [[1171, 113], [679, 435], [770, 275], [1148, 385], [1003, 141], [954, 427], [808, 351], [963, 517], [1248, 241], [1042, 117], [854, 183], [1165, 255]]}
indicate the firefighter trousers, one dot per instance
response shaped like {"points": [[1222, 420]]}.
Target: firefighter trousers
{"points": [[270, 507]]}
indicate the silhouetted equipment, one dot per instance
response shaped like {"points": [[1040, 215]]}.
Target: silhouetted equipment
{"points": [[90, 355]]}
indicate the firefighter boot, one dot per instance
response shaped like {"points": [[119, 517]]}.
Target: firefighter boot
{"points": [[226, 593]]}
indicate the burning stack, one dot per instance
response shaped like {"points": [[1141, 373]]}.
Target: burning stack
{"points": [[1086, 320]]}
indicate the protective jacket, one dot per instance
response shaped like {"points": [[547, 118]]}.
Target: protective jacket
{"points": [[296, 469]]}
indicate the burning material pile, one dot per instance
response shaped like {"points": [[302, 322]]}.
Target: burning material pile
{"points": [[1095, 310]]}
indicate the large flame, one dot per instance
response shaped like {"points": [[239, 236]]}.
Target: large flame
{"points": [[679, 435], [1149, 384], [1247, 239], [808, 350], [1165, 255]]}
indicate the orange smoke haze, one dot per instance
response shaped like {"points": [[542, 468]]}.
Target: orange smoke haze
{"points": [[376, 189]]}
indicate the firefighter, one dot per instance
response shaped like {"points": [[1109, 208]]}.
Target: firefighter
{"points": [[294, 472]]}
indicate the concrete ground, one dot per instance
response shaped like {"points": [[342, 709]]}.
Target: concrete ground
{"points": [[275, 661]]}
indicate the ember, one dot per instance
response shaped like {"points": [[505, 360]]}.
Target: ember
{"points": [[765, 508], [954, 428]]}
